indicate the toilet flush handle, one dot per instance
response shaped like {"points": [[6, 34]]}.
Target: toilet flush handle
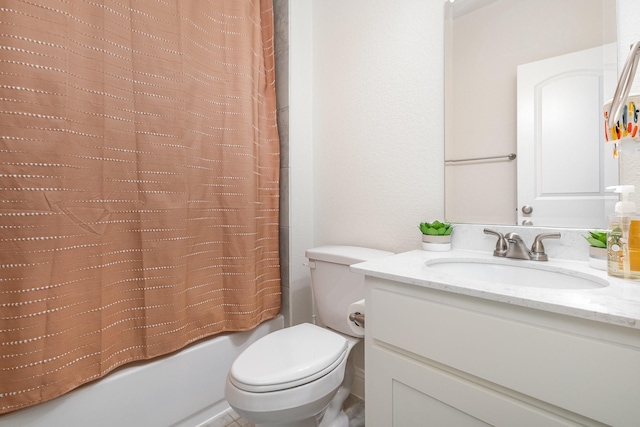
{"points": [[357, 318]]}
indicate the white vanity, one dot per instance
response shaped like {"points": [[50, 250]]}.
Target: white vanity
{"points": [[459, 349]]}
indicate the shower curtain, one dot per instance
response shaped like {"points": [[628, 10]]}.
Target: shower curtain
{"points": [[138, 183]]}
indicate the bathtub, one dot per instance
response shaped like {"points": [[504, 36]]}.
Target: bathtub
{"points": [[184, 389]]}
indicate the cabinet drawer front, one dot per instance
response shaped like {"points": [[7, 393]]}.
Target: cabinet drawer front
{"points": [[568, 370], [409, 393]]}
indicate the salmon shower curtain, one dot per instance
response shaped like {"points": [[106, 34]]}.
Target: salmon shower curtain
{"points": [[138, 183]]}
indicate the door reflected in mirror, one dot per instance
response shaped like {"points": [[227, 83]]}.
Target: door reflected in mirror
{"points": [[528, 78]]}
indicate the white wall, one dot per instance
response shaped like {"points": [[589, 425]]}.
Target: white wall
{"points": [[365, 127], [377, 120]]}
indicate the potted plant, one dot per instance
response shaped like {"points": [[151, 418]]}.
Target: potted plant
{"points": [[436, 235], [597, 249]]}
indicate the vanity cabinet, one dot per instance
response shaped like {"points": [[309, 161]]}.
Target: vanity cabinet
{"points": [[436, 358]]}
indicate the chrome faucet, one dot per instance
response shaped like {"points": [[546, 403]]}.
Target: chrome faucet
{"points": [[516, 247], [511, 245]]}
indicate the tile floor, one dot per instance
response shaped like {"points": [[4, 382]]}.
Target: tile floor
{"points": [[354, 409]]}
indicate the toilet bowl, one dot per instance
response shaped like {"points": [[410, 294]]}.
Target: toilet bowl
{"points": [[289, 377], [301, 375]]}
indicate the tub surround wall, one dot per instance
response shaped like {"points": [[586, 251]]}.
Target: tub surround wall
{"points": [[281, 55]]}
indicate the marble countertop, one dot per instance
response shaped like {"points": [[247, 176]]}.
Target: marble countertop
{"points": [[618, 303]]}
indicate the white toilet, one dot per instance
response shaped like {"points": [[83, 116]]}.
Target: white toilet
{"points": [[299, 376]]}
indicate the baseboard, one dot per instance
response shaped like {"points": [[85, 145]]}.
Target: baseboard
{"points": [[358, 383]]}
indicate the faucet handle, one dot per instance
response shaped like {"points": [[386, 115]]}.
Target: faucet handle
{"points": [[501, 244], [537, 249]]}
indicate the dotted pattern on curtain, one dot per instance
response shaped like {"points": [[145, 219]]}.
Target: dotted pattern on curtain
{"points": [[138, 184]]}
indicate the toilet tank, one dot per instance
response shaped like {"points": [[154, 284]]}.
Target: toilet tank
{"points": [[335, 287]]}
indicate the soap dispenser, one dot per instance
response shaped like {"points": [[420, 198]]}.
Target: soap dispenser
{"points": [[619, 252]]}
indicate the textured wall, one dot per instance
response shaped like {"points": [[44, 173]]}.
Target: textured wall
{"points": [[365, 127], [377, 121]]}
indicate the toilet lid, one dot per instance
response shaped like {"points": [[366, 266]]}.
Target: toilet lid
{"points": [[288, 358]]}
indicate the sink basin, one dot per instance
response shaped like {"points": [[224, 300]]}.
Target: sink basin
{"points": [[526, 274]]}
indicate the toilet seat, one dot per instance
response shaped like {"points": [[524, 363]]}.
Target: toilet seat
{"points": [[288, 358]]}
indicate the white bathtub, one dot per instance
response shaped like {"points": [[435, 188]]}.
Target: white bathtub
{"points": [[181, 390]]}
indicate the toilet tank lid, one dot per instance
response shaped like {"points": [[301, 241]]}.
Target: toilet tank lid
{"points": [[346, 255]]}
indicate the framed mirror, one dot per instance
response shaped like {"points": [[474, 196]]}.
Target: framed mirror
{"points": [[524, 87]]}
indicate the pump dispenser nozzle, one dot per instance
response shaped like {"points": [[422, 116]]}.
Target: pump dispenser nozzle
{"points": [[624, 205]]}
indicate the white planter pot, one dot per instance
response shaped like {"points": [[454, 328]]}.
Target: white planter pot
{"points": [[598, 258], [436, 243]]}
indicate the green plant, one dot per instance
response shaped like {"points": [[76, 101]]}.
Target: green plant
{"points": [[597, 238], [436, 228]]}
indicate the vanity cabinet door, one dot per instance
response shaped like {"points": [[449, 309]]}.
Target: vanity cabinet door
{"points": [[434, 352], [404, 392]]}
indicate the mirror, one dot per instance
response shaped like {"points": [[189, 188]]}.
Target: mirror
{"points": [[521, 148]]}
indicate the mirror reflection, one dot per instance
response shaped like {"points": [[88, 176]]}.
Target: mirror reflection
{"points": [[529, 79]]}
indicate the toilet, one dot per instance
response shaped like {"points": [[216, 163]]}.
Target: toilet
{"points": [[301, 375]]}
